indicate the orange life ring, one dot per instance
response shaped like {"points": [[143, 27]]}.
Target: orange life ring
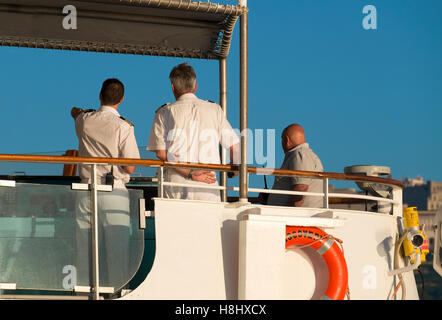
{"points": [[329, 250]]}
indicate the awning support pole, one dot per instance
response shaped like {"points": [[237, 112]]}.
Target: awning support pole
{"points": [[243, 175], [223, 103]]}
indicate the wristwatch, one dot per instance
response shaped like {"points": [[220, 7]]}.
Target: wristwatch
{"points": [[190, 173]]}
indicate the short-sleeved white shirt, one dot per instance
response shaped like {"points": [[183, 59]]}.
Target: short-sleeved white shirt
{"points": [[299, 158], [104, 133], [191, 130]]}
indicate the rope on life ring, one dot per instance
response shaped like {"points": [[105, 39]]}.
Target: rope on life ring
{"points": [[327, 246]]}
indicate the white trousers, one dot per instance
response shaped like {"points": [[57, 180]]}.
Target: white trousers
{"points": [[113, 235]]}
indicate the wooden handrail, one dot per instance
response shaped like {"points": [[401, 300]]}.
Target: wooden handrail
{"points": [[216, 167]]}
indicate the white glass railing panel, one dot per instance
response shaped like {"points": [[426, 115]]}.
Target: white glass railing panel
{"points": [[43, 247]]}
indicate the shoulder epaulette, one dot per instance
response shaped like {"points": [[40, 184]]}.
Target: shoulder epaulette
{"points": [[130, 123], [88, 110], [211, 101], [161, 107]]}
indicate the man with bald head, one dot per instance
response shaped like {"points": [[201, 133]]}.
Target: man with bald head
{"points": [[298, 156]]}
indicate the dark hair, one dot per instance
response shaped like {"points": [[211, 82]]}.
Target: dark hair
{"points": [[183, 77], [112, 91]]}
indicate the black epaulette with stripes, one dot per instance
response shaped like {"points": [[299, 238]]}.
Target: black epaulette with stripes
{"points": [[161, 107], [130, 123]]}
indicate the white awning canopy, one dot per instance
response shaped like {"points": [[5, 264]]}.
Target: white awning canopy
{"points": [[175, 28]]}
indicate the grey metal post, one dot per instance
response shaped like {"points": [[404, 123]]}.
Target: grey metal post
{"points": [[325, 189], [223, 103], [243, 176], [94, 235]]}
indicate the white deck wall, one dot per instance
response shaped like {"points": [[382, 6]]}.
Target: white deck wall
{"points": [[225, 251]]}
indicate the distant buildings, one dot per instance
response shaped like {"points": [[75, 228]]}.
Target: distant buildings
{"points": [[426, 196]]}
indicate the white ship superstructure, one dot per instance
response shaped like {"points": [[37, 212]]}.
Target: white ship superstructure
{"points": [[185, 249]]}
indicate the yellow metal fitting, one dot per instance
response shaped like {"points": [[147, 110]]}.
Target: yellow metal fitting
{"points": [[416, 242]]}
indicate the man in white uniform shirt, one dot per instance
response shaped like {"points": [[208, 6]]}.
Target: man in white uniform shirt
{"points": [[104, 133], [191, 130]]}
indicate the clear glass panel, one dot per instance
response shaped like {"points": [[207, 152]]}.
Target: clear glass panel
{"points": [[45, 237]]}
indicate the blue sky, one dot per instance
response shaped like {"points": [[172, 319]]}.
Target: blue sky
{"points": [[363, 96]]}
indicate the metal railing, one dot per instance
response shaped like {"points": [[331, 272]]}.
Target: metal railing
{"points": [[325, 194], [325, 176]]}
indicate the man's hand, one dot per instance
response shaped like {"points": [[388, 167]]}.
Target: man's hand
{"points": [[234, 159], [198, 175], [204, 176], [75, 112], [232, 174], [298, 200], [263, 197]]}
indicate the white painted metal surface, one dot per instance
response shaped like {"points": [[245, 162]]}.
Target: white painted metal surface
{"points": [[196, 252], [210, 250], [7, 183]]}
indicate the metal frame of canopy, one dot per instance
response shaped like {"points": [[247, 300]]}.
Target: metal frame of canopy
{"points": [[142, 27], [177, 13]]}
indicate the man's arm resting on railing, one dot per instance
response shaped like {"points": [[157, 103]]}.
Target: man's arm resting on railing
{"points": [[196, 175], [298, 200]]}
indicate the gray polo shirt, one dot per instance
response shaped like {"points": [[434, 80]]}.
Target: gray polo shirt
{"points": [[299, 158]]}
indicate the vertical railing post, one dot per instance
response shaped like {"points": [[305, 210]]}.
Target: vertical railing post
{"points": [[223, 104], [95, 290], [397, 196], [243, 178], [325, 189], [160, 174]]}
